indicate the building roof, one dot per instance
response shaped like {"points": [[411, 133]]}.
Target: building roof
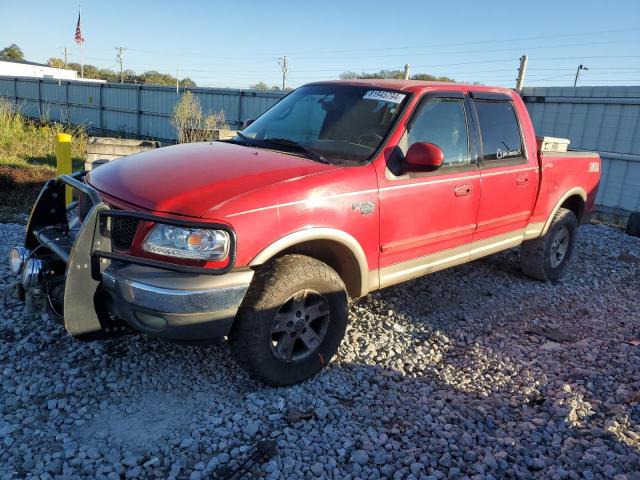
{"points": [[24, 62]]}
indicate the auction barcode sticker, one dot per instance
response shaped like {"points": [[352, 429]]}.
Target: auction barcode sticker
{"points": [[384, 96]]}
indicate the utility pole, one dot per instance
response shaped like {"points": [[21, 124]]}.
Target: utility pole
{"points": [[522, 71], [284, 64], [120, 60], [580, 67], [177, 77], [407, 67], [65, 57]]}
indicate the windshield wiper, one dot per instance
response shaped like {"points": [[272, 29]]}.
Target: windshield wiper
{"points": [[244, 140], [297, 146]]}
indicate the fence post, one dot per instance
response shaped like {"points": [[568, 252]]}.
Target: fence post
{"points": [[139, 113], [66, 102], [40, 100], [63, 161], [101, 105], [239, 119]]}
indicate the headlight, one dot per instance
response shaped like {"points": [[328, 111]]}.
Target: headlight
{"points": [[17, 257], [183, 242]]}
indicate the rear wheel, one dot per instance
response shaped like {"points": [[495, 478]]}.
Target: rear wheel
{"points": [[546, 258], [291, 322]]}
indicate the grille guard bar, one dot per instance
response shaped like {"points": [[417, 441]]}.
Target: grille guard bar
{"points": [[50, 209]]}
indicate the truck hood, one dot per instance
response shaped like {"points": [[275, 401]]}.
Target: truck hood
{"points": [[191, 179]]}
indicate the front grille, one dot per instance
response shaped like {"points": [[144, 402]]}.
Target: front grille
{"points": [[123, 229]]}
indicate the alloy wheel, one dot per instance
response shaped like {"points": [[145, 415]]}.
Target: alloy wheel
{"points": [[299, 326]]}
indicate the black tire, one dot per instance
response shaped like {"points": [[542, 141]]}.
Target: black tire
{"points": [[541, 259], [269, 318], [633, 225]]}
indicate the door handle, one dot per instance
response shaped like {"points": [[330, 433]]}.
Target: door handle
{"points": [[522, 179], [463, 189]]}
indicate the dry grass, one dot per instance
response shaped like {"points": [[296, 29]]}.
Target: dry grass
{"points": [[27, 157], [191, 124]]}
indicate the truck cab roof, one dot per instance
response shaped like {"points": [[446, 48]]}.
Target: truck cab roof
{"points": [[414, 86]]}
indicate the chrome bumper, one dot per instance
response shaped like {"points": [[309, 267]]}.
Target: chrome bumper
{"points": [[175, 305]]}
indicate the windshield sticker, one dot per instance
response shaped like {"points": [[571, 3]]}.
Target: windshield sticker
{"points": [[384, 96]]}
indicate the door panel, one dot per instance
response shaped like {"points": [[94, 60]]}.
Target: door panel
{"points": [[427, 220], [507, 200], [509, 177], [425, 216]]}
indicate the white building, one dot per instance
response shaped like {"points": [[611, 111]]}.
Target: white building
{"points": [[10, 67]]}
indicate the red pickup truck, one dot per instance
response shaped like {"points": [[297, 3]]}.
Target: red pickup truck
{"points": [[340, 189]]}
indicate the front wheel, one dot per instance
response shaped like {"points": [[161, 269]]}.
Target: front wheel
{"points": [[546, 258], [291, 322]]}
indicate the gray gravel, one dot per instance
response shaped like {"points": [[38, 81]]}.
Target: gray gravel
{"points": [[437, 378]]}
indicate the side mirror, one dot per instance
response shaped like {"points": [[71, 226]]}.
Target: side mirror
{"points": [[424, 157], [246, 123]]}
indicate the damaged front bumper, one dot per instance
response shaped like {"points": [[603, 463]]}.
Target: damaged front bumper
{"points": [[103, 287], [175, 305]]}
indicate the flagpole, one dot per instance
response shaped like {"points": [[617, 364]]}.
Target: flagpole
{"points": [[81, 42]]}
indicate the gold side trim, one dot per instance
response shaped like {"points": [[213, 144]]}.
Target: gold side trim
{"points": [[417, 267], [482, 248], [434, 262], [533, 230]]}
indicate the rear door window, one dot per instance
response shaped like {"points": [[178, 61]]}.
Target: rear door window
{"points": [[500, 132]]}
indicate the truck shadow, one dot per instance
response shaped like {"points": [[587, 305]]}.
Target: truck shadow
{"points": [[451, 370]]}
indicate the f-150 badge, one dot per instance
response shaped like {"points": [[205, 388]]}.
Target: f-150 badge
{"points": [[364, 207]]}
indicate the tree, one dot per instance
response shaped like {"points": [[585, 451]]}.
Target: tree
{"points": [[191, 124], [395, 74], [12, 51], [432, 78], [262, 86], [128, 76], [56, 62]]}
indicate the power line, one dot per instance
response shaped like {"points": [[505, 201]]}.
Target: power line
{"points": [[404, 47]]}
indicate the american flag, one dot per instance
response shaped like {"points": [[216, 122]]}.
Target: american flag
{"points": [[79, 37]]}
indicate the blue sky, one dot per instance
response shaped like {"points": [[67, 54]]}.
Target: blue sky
{"points": [[235, 44]]}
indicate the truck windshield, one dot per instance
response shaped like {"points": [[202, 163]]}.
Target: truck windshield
{"points": [[332, 123]]}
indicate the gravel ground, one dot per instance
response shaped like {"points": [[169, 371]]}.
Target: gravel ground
{"points": [[441, 377]]}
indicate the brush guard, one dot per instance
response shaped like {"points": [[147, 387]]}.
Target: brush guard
{"points": [[87, 253]]}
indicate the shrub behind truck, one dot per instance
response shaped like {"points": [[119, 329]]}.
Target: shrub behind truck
{"points": [[340, 189]]}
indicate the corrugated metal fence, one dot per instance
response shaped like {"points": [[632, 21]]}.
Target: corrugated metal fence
{"points": [[604, 119], [136, 110]]}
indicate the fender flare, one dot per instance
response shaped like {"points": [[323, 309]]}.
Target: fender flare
{"points": [[574, 191], [320, 233]]}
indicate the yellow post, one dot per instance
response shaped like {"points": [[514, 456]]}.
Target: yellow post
{"points": [[63, 161]]}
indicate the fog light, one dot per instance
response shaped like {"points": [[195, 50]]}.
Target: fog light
{"points": [[17, 257], [31, 273]]}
